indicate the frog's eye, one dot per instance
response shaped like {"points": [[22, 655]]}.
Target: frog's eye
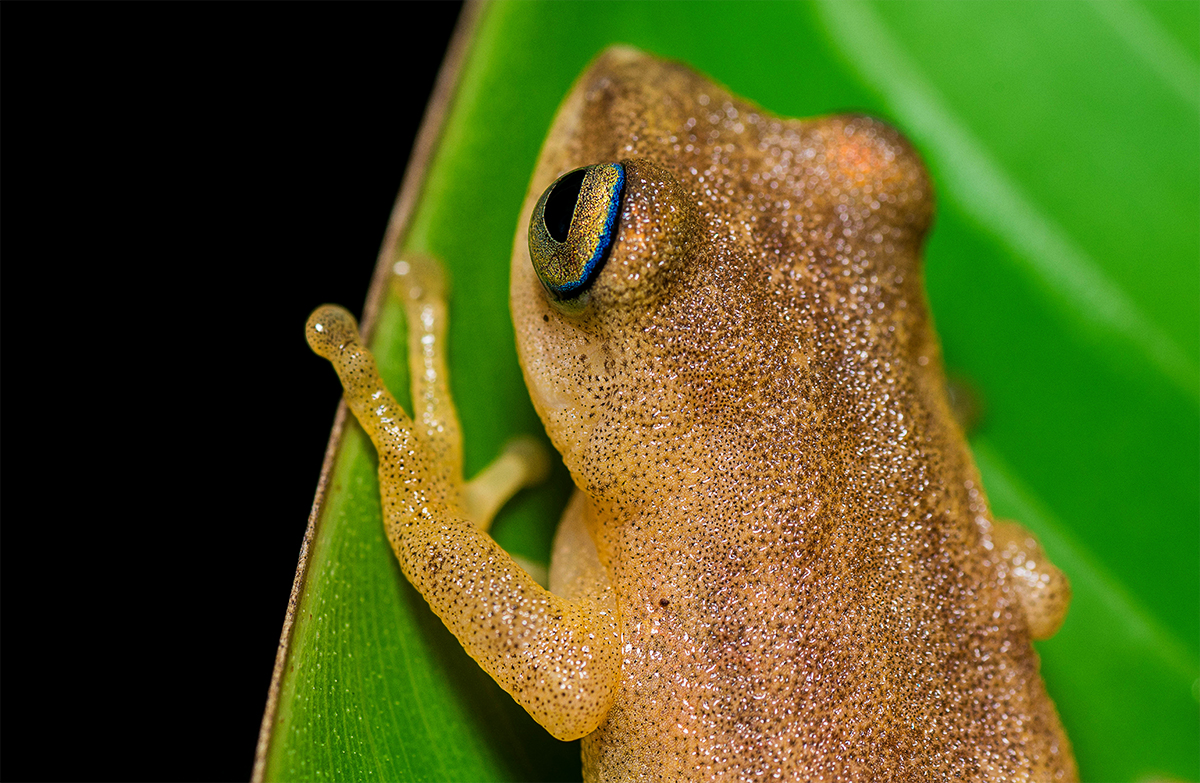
{"points": [[573, 228]]}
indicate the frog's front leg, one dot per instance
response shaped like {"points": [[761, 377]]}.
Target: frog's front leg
{"points": [[557, 657]]}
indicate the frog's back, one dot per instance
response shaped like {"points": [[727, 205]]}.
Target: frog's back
{"points": [[789, 516]]}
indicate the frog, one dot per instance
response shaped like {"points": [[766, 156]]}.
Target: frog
{"points": [[778, 561]]}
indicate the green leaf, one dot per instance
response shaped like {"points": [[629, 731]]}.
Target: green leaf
{"points": [[1064, 140]]}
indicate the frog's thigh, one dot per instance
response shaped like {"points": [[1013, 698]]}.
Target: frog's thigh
{"points": [[575, 570], [1044, 591]]}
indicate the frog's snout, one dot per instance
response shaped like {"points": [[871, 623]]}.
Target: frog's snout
{"points": [[330, 330]]}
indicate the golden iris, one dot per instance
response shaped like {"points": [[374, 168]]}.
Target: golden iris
{"points": [[573, 228]]}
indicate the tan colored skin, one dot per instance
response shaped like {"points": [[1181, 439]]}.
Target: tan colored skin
{"points": [[779, 563]]}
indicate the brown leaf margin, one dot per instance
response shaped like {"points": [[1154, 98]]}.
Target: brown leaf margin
{"points": [[411, 188]]}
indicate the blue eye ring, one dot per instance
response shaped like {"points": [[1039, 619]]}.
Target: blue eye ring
{"points": [[574, 226]]}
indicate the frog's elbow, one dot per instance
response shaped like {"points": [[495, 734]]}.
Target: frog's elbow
{"points": [[572, 704], [569, 729]]}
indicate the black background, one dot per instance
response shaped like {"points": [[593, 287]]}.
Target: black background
{"points": [[181, 185]]}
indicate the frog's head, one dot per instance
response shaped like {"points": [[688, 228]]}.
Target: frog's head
{"points": [[678, 256]]}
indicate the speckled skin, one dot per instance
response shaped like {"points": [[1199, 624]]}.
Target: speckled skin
{"points": [[772, 488], [779, 563]]}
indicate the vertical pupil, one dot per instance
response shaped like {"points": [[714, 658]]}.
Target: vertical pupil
{"points": [[560, 205]]}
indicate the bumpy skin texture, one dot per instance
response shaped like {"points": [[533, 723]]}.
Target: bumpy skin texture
{"points": [[556, 656], [751, 401]]}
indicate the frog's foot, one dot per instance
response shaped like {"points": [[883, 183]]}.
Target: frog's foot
{"points": [[420, 283], [559, 658], [1044, 591], [330, 331], [523, 463], [333, 333]]}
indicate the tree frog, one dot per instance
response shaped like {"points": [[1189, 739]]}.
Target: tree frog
{"points": [[779, 562]]}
